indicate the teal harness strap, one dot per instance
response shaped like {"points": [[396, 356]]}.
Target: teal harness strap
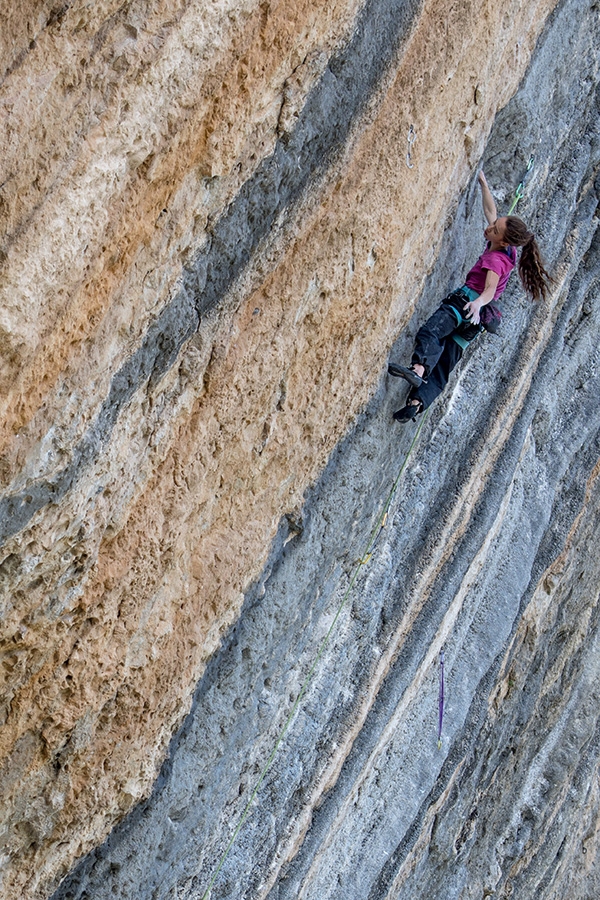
{"points": [[459, 318], [472, 295], [460, 341]]}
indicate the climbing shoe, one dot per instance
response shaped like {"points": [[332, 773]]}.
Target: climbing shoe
{"points": [[408, 374], [408, 413]]}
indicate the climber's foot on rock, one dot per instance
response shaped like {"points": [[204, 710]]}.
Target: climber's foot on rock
{"points": [[408, 412], [410, 375]]}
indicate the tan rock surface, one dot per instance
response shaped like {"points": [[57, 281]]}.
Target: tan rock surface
{"points": [[126, 133]]}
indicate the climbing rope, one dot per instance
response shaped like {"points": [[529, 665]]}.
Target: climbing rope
{"points": [[520, 189], [362, 561]]}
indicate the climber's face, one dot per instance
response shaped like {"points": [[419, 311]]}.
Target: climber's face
{"points": [[496, 233]]}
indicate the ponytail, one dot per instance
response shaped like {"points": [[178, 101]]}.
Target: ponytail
{"points": [[533, 275]]}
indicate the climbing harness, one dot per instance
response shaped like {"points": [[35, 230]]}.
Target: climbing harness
{"points": [[412, 136], [520, 190], [441, 700], [362, 561]]}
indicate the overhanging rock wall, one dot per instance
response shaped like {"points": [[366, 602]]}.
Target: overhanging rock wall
{"points": [[211, 242]]}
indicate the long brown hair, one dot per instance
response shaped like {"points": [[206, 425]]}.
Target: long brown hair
{"points": [[534, 276]]}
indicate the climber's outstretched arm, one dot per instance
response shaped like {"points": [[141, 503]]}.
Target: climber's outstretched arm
{"points": [[489, 206]]}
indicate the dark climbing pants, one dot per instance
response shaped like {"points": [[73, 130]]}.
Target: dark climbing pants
{"points": [[436, 349]]}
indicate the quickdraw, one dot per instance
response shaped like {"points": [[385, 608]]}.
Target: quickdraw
{"points": [[520, 191], [367, 557], [412, 136]]}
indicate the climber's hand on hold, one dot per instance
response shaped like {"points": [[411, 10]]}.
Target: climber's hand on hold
{"points": [[489, 204]]}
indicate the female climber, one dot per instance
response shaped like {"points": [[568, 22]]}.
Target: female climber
{"points": [[470, 309]]}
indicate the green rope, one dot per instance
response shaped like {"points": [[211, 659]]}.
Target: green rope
{"points": [[380, 525]]}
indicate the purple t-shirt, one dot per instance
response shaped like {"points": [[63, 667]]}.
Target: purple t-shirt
{"points": [[502, 262]]}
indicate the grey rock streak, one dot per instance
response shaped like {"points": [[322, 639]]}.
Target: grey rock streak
{"points": [[490, 552]]}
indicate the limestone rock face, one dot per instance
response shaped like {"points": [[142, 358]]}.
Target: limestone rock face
{"points": [[218, 219]]}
